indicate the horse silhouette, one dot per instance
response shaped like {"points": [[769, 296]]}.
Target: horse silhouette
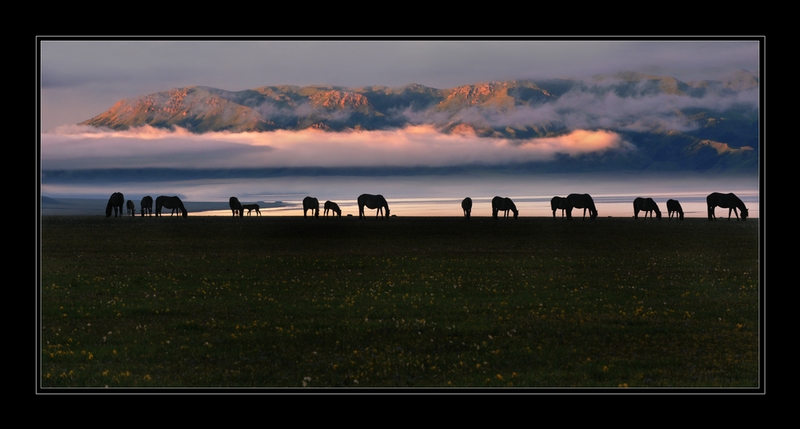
{"points": [[646, 205], [251, 207], [131, 207], [311, 203], [372, 202], [115, 202], [673, 206], [726, 201], [504, 204], [173, 203], [581, 201], [236, 206], [557, 203], [333, 207], [147, 205], [466, 205]]}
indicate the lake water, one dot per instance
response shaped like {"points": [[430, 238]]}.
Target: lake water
{"points": [[437, 195]]}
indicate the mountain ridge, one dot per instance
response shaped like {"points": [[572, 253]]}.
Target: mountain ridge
{"points": [[645, 108]]}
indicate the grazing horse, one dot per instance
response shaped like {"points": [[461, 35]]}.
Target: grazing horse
{"points": [[726, 201], [147, 205], [673, 206], [170, 203], [581, 201], [311, 203], [236, 206], [251, 207], [333, 207], [558, 203], [504, 204], [466, 205], [131, 207], [372, 202], [647, 205], [115, 203]]}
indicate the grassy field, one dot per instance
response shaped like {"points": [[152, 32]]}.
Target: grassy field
{"points": [[404, 302]]}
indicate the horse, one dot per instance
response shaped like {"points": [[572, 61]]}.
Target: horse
{"points": [[115, 203], [466, 205], [673, 206], [236, 206], [504, 204], [581, 201], [251, 207], [558, 203], [333, 207], [311, 203], [131, 207], [147, 205], [726, 201], [647, 205], [170, 203], [372, 202]]}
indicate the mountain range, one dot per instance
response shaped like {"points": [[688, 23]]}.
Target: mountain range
{"points": [[708, 125]]}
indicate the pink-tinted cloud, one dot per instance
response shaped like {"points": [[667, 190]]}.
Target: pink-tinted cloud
{"points": [[423, 145]]}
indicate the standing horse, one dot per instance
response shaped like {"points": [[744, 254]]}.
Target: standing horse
{"points": [[581, 201], [372, 202], [131, 207], [236, 206], [251, 207], [673, 206], [170, 203], [115, 203], [311, 203], [726, 201], [333, 207], [557, 203], [504, 204], [147, 205], [647, 205], [466, 205]]}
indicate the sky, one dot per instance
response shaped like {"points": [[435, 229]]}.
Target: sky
{"points": [[83, 78]]}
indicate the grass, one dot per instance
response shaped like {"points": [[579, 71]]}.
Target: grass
{"points": [[408, 302]]}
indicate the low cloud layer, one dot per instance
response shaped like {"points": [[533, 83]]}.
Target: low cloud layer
{"points": [[77, 147]]}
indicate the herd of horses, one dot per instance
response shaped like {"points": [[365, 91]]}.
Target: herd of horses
{"points": [[117, 200], [378, 202], [239, 208], [573, 201], [311, 203]]}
